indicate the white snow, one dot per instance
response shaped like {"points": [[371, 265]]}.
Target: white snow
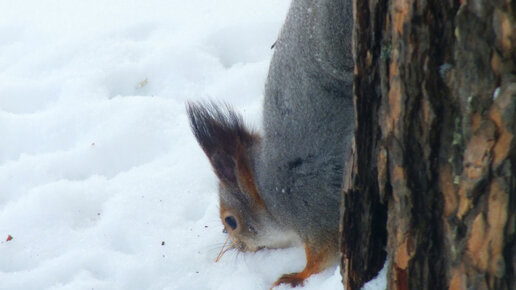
{"points": [[102, 185]]}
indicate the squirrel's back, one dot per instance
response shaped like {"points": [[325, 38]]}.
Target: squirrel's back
{"points": [[308, 118]]}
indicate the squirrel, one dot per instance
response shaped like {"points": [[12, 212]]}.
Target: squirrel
{"points": [[283, 186]]}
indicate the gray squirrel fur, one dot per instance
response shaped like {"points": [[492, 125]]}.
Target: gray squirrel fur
{"points": [[284, 186]]}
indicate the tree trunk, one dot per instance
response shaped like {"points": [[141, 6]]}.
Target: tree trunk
{"points": [[432, 176]]}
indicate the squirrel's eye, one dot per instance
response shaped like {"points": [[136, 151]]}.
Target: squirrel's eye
{"points": [[231, 222]]}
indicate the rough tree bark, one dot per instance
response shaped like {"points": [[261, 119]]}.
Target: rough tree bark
{"points": [[433, 174]]}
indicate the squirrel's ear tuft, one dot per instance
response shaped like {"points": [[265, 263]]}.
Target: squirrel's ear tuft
{"points": [[221, 133]]}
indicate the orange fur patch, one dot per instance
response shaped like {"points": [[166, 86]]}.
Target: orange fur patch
{"points": [[316, 261], [245, 176]]}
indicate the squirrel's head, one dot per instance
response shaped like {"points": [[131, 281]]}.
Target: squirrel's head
{"points": [[231, 149]]}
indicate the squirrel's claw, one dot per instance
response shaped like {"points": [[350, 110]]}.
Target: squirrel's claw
{"points": [[316, 261], [294, 279]]}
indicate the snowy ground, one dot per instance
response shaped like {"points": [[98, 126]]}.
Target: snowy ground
{"points": [[102, 185]]}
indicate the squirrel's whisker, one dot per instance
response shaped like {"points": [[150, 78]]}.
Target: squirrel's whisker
{"points": [[222, 251]]}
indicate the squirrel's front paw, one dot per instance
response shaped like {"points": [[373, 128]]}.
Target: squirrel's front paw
{"points": [[294, 279]]}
